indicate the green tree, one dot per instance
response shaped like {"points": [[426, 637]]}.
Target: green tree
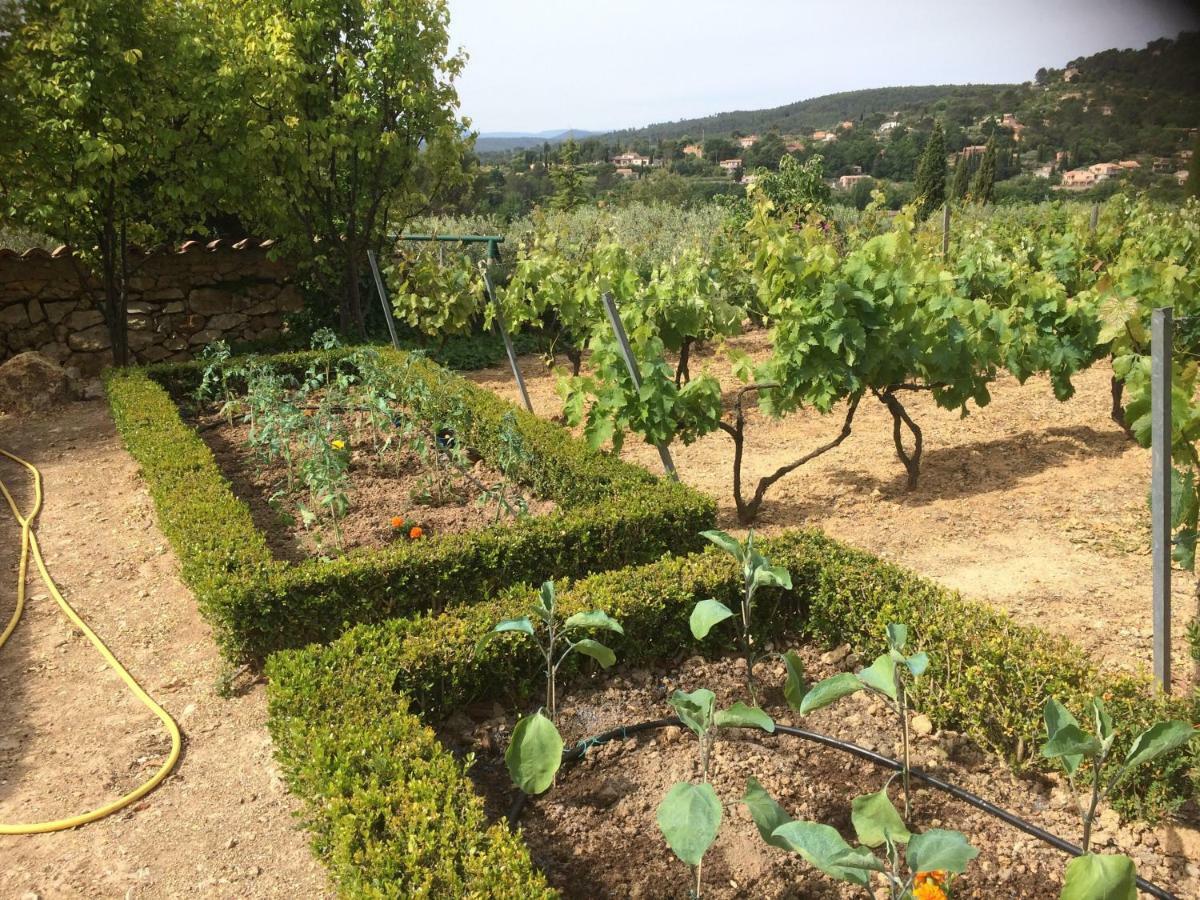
{"points": [[103, 144], [984, 183], [931, 173], [569, 189], [962, 177], [796, 190], [350, 117]]}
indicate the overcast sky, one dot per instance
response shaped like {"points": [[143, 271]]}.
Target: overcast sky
{"points": [[604, 64]]}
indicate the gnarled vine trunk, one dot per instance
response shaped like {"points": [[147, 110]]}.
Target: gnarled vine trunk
{"points": [[747, 510], [900, 417]]}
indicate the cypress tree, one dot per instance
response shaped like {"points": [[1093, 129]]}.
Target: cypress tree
{"points": [[984, 184], [962, 177], [931, 173], [569, 190]]}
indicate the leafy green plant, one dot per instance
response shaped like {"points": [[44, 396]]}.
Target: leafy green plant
{"points": [[888, 677], [877, 825], [215, 378], [689, 816], [757, 572], [535, 751], [1090, 875]]}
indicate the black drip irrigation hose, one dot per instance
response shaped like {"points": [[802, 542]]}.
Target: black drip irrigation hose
{"points": [[580, 750]]}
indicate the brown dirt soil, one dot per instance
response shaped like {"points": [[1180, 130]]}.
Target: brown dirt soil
{"points": [[1036, 506], [595, 834], [73, 738], [379, 489]]}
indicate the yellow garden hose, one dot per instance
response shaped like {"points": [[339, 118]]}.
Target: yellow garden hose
{"points": [[29, 545]]}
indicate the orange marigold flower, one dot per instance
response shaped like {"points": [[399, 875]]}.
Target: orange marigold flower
{"points": [[309, 413], [416, 532], [937, 876], [397, 522], [928, 890]]}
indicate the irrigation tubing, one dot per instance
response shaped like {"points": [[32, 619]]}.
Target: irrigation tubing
{"points": [[580, 750]]}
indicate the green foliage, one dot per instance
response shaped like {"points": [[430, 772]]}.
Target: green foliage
{"points": [[435, 291], [931, 173], [347, 113], [797, 190], [534, 753], [984, 183], [1092, 877], [610, 514], [569, 190]]}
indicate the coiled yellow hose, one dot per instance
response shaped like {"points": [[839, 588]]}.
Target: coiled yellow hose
{"points": [[29, 546]]}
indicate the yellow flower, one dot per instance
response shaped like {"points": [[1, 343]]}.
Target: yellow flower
{"points": [[927, 890], [338, 445]]}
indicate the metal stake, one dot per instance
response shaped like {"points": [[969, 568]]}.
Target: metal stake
{"points": [[1160, 488], [493, 254], [945, 231], [1095, 216], [387, 307], [614, 319]]}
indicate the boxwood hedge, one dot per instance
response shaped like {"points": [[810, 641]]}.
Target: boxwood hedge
{"points": [[347, 718], [609, 514]]}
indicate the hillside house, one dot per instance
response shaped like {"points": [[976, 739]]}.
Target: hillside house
{"points": [[694, 150], [731, 165], [974, 150], [748, 141], [794, 145], [1129, 165], [630, 160], [1078, 178], [625, 172], [848, 181], [1185, 155], [1105, 170], [1161, 165], [1106, 110], [824, 136], [750, 180], [846, 126], [888, 126], [1182, 176]]}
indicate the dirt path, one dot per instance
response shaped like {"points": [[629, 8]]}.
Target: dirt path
{"points": [[71, 736], [1034, 505]]}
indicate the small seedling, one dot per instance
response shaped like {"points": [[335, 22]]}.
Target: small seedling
{"points": [[757, 572], [887, 677], [535, 752], [877, 825], [1092, 875], [689, 816]]}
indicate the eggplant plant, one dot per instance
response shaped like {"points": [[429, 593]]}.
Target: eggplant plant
{"points": [[888, 676], [1110, 875], [535, 751], [878, 826], [757, 572], [689, 816]]}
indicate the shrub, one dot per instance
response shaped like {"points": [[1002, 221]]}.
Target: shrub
{"points": [[610, 514], [988, 677]]}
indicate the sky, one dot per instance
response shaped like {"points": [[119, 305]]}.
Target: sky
{"points": [[605, 64]]}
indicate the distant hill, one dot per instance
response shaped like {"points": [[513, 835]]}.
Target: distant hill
{"points": [[502, 141], [822, 112]]}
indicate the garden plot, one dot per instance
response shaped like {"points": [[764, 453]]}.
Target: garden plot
{"points": [[595, 834], [339, 456]]}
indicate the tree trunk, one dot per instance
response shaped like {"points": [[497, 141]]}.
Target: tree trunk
{"points": [[115, 307], [912, 462], [682, 374], [747, 510], [352, 321], [575, 355], [1118, 407]]}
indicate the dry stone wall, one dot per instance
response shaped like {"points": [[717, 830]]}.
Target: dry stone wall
{"points": [[179, 301]]}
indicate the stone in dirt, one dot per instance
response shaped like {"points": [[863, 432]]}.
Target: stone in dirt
{"points": [[30, 383]]}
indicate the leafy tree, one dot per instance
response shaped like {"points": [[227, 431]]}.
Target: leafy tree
{"points": [[103, 105], [569, 190], [350, 116], [931, 173], [797, 189], [984, 183]]}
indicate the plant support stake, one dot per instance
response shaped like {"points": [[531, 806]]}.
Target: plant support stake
{"points": [[503, 328], [1095, 216], [945, 231], [1161, 335], [387, 307], [614, 319]]}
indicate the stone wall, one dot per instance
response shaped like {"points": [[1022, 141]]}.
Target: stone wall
{"points": [[179, 301]]}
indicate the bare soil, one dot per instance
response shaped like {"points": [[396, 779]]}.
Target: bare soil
{"points": [[1033, 505], [397, 484], [71, 735], [595, 833]]}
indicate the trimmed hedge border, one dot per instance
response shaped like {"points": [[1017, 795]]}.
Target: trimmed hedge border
{"points": [[371, 772], [610, 514]]}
